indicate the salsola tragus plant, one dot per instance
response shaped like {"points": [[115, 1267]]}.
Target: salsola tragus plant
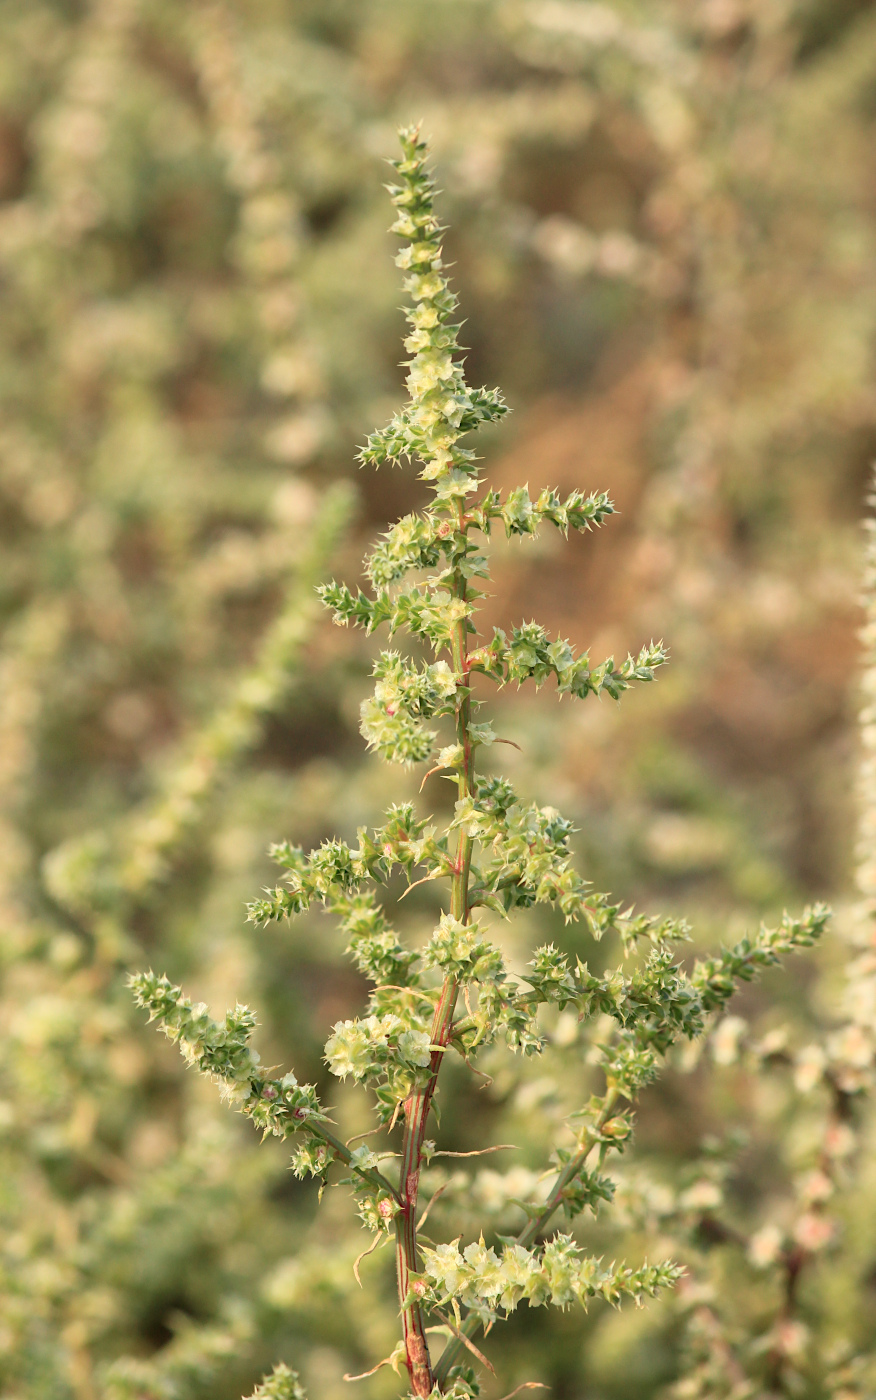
{"points": [[454, 995]]}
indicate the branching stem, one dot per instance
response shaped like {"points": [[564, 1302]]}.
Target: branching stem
{"points": [[343, 1153]]}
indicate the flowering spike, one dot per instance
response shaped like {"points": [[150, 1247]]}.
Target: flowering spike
{"points": [[281, 1384]]}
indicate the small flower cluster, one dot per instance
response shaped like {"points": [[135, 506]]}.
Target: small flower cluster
{"points": [[461, 951], [558, 1273], [368, 1048], [521, 515], [373, 945], [402, 696], [281, 1384], [430, 612], [418, 541]]}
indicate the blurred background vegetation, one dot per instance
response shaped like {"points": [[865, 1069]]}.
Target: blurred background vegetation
{"points": [[662, 220]]}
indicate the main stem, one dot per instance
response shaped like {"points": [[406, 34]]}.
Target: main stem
{"points": [[418, 1105]]}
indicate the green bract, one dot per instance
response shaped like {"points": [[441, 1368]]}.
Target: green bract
{"points": [[498, 852], [282, 1384]]}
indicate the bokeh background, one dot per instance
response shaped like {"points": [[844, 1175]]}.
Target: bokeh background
{"points": [[662, 218]]}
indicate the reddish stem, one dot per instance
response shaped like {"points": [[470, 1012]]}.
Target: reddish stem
{"points": [[417, 1106]]}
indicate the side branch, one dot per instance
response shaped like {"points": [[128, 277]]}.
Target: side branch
{"points": [[535, 1226]]}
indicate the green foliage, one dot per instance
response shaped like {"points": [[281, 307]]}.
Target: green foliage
{"points": [[282, 1384], [485, 1282]]}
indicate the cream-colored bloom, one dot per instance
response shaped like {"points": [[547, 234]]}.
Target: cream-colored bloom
{"points": [[703, 1195], [809, 1068], [813, 1231], [726, 1039], [765, 1246]]}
